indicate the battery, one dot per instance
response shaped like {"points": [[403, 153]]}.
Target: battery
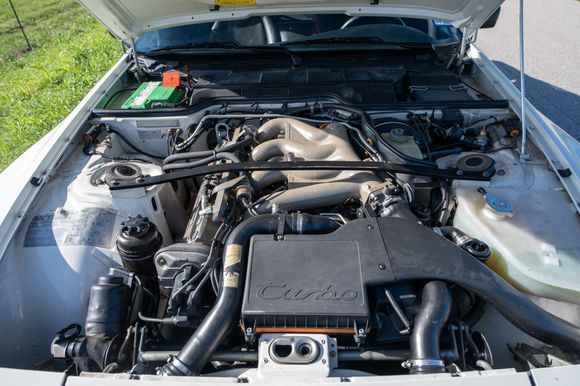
{"points": [[150, 93]]}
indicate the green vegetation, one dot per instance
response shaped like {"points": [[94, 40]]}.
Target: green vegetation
{"points": [[71, 51]]}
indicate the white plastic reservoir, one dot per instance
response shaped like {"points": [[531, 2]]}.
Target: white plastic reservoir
{"points": [[531, 226]]}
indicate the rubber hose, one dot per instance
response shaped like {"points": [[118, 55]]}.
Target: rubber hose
{"points": [[201, 162], [475, 247], [429, 323], [207, 153], [204, 343]]}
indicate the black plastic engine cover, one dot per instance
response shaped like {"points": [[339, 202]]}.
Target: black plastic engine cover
{"points": [[304, 281], [314, 281], [321, 281], [371, 252]]}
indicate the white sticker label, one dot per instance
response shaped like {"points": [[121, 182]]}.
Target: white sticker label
{"points": [[144, 94]]}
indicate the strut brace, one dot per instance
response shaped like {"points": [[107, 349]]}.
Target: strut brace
{"points": [[450, 173]]}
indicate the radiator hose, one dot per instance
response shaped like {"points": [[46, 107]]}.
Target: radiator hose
{"points": [[205, 341], [429, 323]]}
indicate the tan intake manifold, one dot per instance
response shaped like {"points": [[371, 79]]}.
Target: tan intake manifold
{"points": [[291, 139]]}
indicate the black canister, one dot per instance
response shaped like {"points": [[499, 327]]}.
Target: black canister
{"points": [[108, 307], [137, 243]]}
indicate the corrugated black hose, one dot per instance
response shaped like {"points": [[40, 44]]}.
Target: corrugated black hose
{"points": [[206, 339]]}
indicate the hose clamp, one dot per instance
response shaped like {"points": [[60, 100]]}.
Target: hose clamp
{"points": [[423, 362], [173, 363]]}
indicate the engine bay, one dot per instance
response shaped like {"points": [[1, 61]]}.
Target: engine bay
{"points": [[249, 222]]}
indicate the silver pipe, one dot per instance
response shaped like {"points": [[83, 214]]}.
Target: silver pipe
{"points": [[398, 311], [523, 83], [138, 71], [219, 356], [345, 355], [463, 44]]}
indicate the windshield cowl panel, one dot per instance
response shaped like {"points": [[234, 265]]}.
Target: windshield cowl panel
{"points": [[299, 30]]}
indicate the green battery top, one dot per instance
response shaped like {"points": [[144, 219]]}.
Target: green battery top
{"points": [[152, 92]]}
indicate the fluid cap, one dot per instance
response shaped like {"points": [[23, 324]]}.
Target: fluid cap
{"points": [[137, 243]]}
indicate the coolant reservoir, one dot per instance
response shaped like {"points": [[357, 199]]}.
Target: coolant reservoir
{"points": [[403, 143], [533, 231]]}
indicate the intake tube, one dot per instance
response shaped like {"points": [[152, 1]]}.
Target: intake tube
{"points": [[429, 323], [206, 339]]}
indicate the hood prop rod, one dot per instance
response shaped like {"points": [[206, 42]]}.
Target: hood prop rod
{"points": [[138, 70], [523, 154]]}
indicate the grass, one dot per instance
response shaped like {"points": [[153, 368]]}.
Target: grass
{"points": [[71, 51]]}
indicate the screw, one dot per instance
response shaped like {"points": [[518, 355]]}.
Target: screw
{"points": [[249, 330], [324, 361], [323, 341], [361, 331], [501, 172], [369, 226], [265, 360], [279, 237], [382, 267]]}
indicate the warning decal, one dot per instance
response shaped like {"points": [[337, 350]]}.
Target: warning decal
{"points": [[91, 226]]}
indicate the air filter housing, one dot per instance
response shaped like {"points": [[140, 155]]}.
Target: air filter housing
{"points": [[304, 282]]}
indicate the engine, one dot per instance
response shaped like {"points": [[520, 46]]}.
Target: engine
{"points": [[313, 240]]}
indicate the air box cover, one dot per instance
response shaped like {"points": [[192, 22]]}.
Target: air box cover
{"points": [[304, 281]]}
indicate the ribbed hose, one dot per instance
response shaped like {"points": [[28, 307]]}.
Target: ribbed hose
{"points": [[202, 162], [204, 343], [429, 323]]}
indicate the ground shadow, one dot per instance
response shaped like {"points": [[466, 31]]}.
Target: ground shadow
{"points": [[559, 105]]}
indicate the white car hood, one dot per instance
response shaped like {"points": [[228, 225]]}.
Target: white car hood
{"points": [[129, 19]]}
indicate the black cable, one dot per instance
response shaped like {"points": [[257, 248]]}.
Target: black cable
{"points": [[477, 91], [89, 152], [124, 139]]}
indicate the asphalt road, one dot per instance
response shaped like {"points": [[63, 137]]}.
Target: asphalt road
{"points": [[552, 44]]}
